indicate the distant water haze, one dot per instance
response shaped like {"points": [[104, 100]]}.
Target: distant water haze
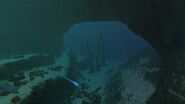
{"points": [[120, 43]]}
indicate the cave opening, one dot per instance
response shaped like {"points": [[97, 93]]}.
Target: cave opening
{"points": [[120, 43]]}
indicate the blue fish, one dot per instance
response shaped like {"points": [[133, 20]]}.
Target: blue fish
{"points": [[74, 83]]}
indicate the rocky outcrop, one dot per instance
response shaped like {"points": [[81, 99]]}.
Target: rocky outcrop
{"points": [[162, 24], [134, 82]]}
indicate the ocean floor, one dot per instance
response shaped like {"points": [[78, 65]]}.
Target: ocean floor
{"points": [[25, 90], [93, 86]]}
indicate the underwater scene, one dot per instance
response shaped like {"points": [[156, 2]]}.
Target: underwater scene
{"points": [[92, 52], [101, 63]]}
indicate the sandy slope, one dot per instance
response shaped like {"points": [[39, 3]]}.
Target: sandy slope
{"points": [[95, 80]]}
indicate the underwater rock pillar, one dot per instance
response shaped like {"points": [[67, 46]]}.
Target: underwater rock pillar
{"points": [[100, 55], [98, 58], [102, 50], [90, 58]]}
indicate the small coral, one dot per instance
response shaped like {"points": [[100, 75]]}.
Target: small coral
{"points": [[15, 99], [4, 93], [85, 102], [93, 97], [18, 79], [37, 73], [56, 68], [19, 83], [84, 86]]}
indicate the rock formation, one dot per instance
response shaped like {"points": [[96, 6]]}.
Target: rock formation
{"points": [[102, 50], [100, 54], [90, 59]]}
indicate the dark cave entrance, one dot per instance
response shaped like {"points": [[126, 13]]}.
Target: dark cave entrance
{"points": [[120, 43]]}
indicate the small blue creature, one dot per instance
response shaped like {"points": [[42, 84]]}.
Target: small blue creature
{"points": [[74, 83]]}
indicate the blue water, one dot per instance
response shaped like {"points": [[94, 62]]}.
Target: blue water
{"points": [[120, 42]]}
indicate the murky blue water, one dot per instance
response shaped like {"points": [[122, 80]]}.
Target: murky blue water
{"points": [[120, 42]]}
